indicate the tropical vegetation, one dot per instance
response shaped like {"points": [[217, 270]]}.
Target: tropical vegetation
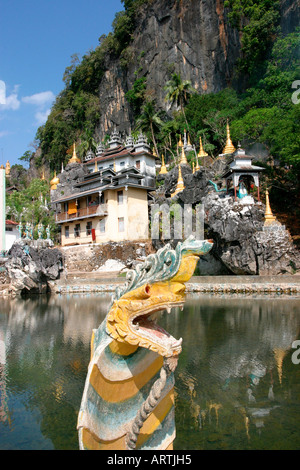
{"points": [[259, 105]]}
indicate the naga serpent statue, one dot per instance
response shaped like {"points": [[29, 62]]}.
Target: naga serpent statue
{"points": [[128, 398]]}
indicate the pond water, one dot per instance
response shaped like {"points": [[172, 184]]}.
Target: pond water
{"points": [[237, 383]]}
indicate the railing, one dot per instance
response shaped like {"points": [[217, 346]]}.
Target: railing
{"points": [[90, 211]]}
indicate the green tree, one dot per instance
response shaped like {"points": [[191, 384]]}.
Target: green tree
{"points": [[178, 92], [31, 204], [150, 119]]}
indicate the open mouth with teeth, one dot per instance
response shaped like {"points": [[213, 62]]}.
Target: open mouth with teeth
{"points": [[134, 320], [146, 325]]}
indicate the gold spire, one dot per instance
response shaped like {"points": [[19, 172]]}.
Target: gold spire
{"points": [[180, 183], [96, 167], [229, 147], [74, 158], [201, 152], [163, 168], [183, 160], [54, 182], [154, 152], [43, 175], [193, 164], [180, 144], [115, 169], [7, 169], [269, 217]]}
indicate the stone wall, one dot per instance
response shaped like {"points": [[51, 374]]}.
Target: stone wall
{"points": [[92, 257]]}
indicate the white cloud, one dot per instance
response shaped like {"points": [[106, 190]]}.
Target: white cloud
{"points": [[41, 117], [2, 92], [39, 99], [12, 102]]}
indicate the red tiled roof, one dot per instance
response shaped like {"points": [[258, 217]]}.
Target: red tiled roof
{"points": [[10, 222]]}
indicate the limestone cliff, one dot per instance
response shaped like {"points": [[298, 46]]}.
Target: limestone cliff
{"points": [[190, 37]]}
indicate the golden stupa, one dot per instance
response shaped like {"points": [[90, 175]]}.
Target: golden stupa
{"points": [[202, 152], [269, 217], [180, 143], [180, 184], [154, 152], [7, 169], [183, 160], [74, 158], [229, 147], [163, 168], [54, 182]]}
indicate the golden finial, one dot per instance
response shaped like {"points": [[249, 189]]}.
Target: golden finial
{"points": [[54, 182], [115, 168], [163, 168], [193, 164], [229, 147], [74, 158], [269, 217], [154, 152], [180, 183], [183, 160], [43, 175], [96, 167], [189, 142], [7, 169]]}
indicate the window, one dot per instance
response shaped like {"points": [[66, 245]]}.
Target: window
{"points": [[138, 164], [120, 197], [122, 164], [67, 231], [66, 206], [102, 226], [89, 226], [121, 224], [8, 229], [77, 230]]}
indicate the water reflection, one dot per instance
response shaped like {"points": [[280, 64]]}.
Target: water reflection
{"points": [[236, 386], [236, 382]]}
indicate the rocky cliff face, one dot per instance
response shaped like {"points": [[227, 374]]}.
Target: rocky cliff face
{"points": [[190, 37]]}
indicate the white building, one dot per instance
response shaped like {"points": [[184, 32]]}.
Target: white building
{"points": [[119, 156], [11, 233]]}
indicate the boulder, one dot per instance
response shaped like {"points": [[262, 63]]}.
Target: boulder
{"points": [[30, 267], [243, 243]]}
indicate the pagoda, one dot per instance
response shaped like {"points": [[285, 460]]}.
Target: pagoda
{"points": [[180, 183], [241, 170], [74, 158]]}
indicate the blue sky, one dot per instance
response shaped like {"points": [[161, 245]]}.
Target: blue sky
{"points": [[37, 40]]}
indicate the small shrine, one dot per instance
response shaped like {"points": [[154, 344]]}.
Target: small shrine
{"points": [[242, 174]]}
